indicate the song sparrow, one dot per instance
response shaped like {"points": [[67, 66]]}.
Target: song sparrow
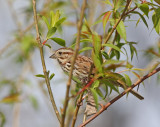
{"points": [[81, 70]]}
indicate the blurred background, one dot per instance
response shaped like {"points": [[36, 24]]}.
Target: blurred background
{"points": [[20, 62]]}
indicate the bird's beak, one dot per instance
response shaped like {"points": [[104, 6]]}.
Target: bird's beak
{"points": [[53, 56]]}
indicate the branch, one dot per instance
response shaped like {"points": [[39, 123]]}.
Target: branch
{"points": [[121, 17], [22, 33], [77, 109], [120, 95], [79, 27], [43, 63]]}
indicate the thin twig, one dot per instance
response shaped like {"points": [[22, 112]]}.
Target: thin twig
{"points": [[121, 95], [84, 117], [16, 39], [121, 17], [77, 110], [131, 10], [17, 106], [79, 27], [43, 63], [123, 20]]}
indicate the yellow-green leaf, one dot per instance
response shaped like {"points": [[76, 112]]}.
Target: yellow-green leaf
{"points": [[95, 84], [46, 21], [121, 30], [145, 9], [113, 46], [94, 93], [59, 22], [59, 41], [34, 101], [96, 43], [97, 62], [84, 49], [128, 80], [51, 32], [54, 17], [40, 75], [100, 93], [143, 19], [51, 76], [11, 98]]}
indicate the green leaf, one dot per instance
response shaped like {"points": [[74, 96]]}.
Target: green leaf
{"points": [[157, 28], [46, 21], [117, 54], [86, 40], [34, 101], [96, 43], [128, 80], [82, 41], [143, 19], [121, 30], [95, 84], [105, 19], [156, 22], [2, 119], [88, 29], [118, 4], [106, 90], [97, 62], [133, 50], [59, 41], [52, 14], [48, 46], [54, 18], [145, 9], [40, 75], [105, 55], [94, 93], [84, 49], [59, 22], [51, 32], [108, 2], [110, 84], [99, 93], [112, 61], [51, 76], [96, 22], [113, 46], [126, 52], [27, 45]]}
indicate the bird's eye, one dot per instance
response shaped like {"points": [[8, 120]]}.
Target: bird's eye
{"points": [[59, 53]]}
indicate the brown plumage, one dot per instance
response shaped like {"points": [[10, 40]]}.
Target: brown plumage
{"points": [[82, 68], [82, 64]]}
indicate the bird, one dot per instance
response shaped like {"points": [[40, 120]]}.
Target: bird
{"points": [[81, 70]]}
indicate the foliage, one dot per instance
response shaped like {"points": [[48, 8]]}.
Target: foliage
{"points": [[112, 71]]}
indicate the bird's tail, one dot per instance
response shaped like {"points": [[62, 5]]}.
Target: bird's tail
{"points": [[91, 105]]}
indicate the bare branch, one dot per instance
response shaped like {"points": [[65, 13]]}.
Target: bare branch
{"points": [[77, 110], [43, 63], [121, 17], [120, 95], [79, 27]]}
